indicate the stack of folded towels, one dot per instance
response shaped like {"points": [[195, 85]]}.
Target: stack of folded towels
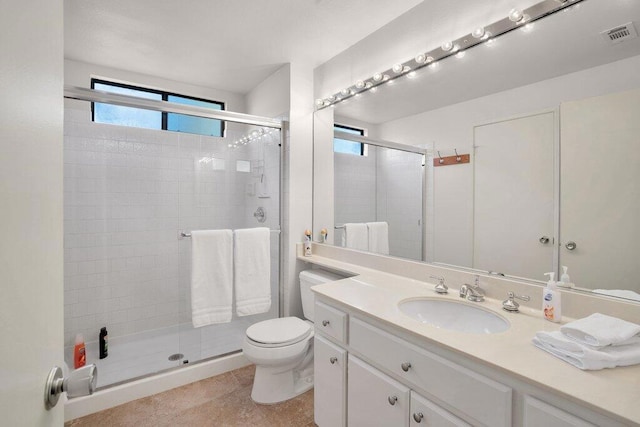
{"points": [[595, 342]]}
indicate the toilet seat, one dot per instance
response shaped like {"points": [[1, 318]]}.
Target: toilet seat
{"points": [[278, 332]]}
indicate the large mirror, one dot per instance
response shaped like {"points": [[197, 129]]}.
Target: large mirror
{"points": [[549, 118]]}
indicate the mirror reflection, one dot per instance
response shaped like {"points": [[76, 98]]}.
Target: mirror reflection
{"points": [[554, 158]]}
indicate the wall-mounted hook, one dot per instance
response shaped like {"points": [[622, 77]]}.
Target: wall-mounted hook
{"points": [[458, 158], [441, 159]]}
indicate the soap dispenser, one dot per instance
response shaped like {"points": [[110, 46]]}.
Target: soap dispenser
{"points": [[551, 300], [565, 280]]}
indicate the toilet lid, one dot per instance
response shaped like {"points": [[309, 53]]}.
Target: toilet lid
{"points": [[284, 330]]}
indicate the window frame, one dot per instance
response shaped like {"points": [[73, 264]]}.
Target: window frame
{"points": [[361, 132], [165, 97]]}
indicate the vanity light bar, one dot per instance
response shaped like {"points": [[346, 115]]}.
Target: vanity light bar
{"points": [[515, 19], [254, 135]]}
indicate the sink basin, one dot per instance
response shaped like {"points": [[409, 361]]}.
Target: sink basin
{"points": [[455, 316]]}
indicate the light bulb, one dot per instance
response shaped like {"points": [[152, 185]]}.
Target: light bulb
{"points": [[421, 58], [345, 92], [331, 98], [429, 59], [478, 33], [447, 46], [397, 68], [515, 15], [319, 102], [369, 85], [377, 77], [360, 84]]}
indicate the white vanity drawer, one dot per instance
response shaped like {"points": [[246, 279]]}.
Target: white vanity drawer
{"points": [[374, 398], [330, 321], [426, 413], [538, 413], [481, 398]]}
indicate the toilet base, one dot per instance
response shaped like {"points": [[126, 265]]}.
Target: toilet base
{"points": [[271, 385]]}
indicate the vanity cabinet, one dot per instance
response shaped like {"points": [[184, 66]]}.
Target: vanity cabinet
{"points": [[375, 399], [330, 378], [368, 374]]}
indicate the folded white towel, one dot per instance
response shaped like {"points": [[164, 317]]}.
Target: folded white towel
{"points": [[620, 293], [252, 270], [356, 236], [600, 330], [584, 357], [378, 237], [211, 276]]}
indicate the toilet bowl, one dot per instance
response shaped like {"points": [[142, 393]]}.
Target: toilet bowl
{"points": [[282, 349]]}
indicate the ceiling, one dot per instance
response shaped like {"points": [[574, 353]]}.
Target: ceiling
{"points": [[560, 44], [226, 44]]}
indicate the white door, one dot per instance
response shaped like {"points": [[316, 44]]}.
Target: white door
{"points": [[31, 248], [330, 383], [514, 196], [600, 195]]}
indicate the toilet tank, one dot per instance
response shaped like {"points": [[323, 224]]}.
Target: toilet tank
{"points": [[309, 278]]}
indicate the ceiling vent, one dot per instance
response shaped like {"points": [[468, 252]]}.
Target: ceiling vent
{"points": [[620, 33]]}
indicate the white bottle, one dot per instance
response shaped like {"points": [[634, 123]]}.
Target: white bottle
{"points": [[551, 301], [565, 280]]}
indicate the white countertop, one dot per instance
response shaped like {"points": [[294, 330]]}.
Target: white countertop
{"points": [[613, 392]]}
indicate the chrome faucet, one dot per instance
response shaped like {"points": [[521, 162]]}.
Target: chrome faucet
{"points": [[472, 292], [511, 305], [440, 288]]}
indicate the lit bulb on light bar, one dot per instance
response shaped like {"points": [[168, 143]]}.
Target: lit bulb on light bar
{"points": [[516, 15], [447, 46], [331, 98], [345, 92], [360, 84], [319, 102], [369, 85], [397, 68], [377, 77], [478, 33], [421, 58]]}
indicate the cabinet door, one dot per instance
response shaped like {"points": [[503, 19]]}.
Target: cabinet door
{"points": [[374, 398], [330, 374], [427, 413], [538, 413]]}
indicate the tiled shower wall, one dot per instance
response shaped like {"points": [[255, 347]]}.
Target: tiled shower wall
{"points": [[128, 192]]}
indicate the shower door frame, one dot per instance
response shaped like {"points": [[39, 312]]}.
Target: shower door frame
{"points": [[92, 95]]}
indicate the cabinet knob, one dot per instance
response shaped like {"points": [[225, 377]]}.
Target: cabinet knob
{"points": [[325, 322], [417, 417], [392, 400], [571, 245], [405, 366], [333, 359]]}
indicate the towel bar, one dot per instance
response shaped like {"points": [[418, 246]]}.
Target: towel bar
{"points": [[182, 234]]}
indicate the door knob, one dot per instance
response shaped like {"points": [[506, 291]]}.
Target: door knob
{"points": [[333, 360], [571, 245], [405, 366], [81, 382], [544, 240], [417, 417]]}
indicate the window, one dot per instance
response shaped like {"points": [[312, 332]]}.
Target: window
{"points": [[139, 117], [348, 147]]}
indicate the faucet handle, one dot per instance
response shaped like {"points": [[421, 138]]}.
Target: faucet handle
{"points": [[511, 305], [440, 288]]}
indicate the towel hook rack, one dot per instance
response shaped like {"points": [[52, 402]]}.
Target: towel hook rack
{"points": [[441, 159], [458, 158]]}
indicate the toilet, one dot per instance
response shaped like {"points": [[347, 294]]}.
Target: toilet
{"points": [[282, 349]]}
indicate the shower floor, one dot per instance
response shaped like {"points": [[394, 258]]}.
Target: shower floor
{"points": [[145, 353]]}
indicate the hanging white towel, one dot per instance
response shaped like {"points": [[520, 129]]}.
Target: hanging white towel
{"points": [[356, 236], [252, 270], [600, 330], [211, 276], [378, 237], [585, 357]]}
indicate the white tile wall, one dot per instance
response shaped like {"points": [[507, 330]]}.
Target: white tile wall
{"points": [[128, 192], [386, 185]]}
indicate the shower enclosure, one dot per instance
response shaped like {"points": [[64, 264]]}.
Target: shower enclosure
{"points": [[131, 198]]}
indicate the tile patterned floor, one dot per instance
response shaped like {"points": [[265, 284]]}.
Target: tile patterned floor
{"points": [[223, 400]]}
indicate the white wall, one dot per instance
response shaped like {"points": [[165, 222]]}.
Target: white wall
{"points": [[452, 127], [31, 116], [271, 97]]}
